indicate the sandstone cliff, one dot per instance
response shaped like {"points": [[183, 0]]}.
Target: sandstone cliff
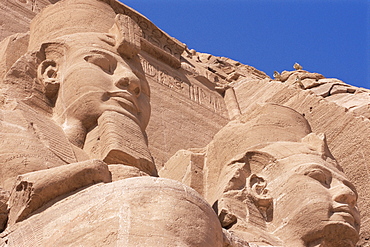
{"points": [[194, 95]]}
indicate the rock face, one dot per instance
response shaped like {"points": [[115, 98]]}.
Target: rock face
{"points": [[272, 181], [341, 116], [16, 15], [129, 212], [96, 102]]}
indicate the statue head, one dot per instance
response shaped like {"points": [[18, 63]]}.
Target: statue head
{"points": [[91, 63], [84, 75], [82, 63], [284, 182], [85, 61]]}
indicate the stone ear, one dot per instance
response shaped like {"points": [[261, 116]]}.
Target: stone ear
{"points": [[242, 165], [318, 143], [47, 74], [260, 196]]}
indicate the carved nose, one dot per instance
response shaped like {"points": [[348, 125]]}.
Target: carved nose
{"points": [[129, 82], [344, 194]]}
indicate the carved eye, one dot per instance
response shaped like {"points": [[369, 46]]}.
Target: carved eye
{"points": [[102, 61], [318, 175]]}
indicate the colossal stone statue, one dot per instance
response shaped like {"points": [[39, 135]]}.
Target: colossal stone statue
{"points": [[82, 77], [76, 169], [272, 181], [76, 101]]}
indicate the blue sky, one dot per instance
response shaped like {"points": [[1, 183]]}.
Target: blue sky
{"points": [[328, 37]]}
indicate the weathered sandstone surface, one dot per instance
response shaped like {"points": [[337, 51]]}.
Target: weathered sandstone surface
{"points": [[96, 102], [16, 15]]}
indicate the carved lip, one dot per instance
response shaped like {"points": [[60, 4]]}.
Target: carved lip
{"points": [[349, 214], [125, 99]]}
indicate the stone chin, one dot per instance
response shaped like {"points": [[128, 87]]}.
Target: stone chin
{"points": [[346, 217], [336, 233], [123, 103], [123, 112], [340, 233]]}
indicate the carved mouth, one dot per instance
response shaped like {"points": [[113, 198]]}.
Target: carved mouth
{"points": [[347, 214], [125, 99]]}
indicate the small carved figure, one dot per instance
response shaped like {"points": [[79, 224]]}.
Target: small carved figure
{"points": [[277, 75], [298, 81], [297, 66]]}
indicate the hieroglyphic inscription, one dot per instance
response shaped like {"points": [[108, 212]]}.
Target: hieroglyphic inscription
{"points": [[195, 93], [164, 78], [205, 98], [153, 35], [29, 233], [25, 158]]}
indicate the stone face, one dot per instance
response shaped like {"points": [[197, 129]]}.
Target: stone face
{"points": [[96, 102], [272, 181], [346, 129]]}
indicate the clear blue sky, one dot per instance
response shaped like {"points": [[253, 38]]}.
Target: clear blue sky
{"points": [[328, 37]]}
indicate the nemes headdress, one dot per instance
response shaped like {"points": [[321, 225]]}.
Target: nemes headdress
{"points": [[85, 16], [117, 24], [132, 31]]}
